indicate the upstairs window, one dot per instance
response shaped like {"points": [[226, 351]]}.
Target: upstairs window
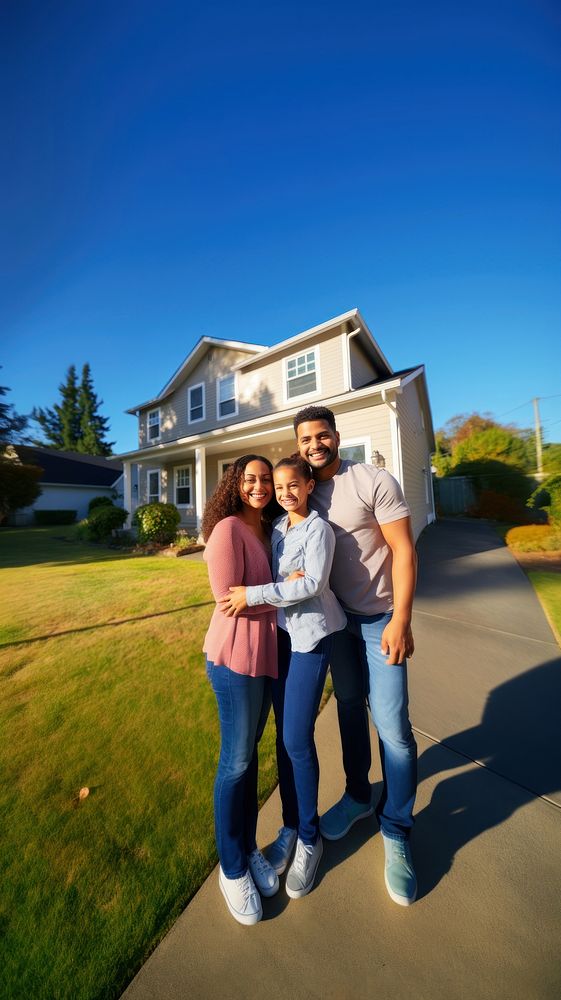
{"points": [[183, 486], [226, 403], [153, 485], [301, 375], [196, 403], [153, 425]]}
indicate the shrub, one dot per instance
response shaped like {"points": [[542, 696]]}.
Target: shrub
{"points": [[499, 507], [99, 502], [183, 541], [101, 522], [534, 538], [19, 485], [55, 516], [548, 497], [497, 477], [157, 522]]}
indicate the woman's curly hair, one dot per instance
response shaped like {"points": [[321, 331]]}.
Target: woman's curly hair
{"points": [[226, 500]]}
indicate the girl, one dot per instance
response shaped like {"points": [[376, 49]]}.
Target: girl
{"points": [[308, 614], [241, 657]]}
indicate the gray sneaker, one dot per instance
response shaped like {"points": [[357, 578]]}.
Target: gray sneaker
{"points": [[401, 881], [302, 872], [280, 852], [337, 821]]}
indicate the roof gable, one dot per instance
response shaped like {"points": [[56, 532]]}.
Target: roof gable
{"points": [[203, 345]]}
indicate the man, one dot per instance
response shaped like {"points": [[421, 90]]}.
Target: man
{"points": [[373, 576]]}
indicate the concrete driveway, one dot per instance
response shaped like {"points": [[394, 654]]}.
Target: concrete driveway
{"points": [[485, 686]]}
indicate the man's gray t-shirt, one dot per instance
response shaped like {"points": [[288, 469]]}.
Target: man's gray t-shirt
{"points": [[356, 501]]}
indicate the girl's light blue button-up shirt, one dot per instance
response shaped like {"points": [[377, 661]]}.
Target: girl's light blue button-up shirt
{"points": [[307, 607]]}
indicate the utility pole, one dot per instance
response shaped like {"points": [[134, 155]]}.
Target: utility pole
{"points": [[536, 402]]}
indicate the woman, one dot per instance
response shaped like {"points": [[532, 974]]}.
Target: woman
{"points": [[241, 658], [308, 615]]}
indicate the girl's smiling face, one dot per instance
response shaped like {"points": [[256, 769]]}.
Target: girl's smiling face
{"points": [[292, 489], [256, 485]]}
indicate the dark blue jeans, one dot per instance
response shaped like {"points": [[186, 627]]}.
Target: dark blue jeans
{"points": [[296, 697], [243, 707], [361, 674]]}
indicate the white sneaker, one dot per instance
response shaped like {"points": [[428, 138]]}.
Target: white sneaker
{"points": [[264, 875], [242, 898], [280, 852], [302, 872]]}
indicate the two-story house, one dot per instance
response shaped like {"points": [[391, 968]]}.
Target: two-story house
{"points": [[228, 398]]}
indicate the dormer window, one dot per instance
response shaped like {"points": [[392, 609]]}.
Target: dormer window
{"points": [[153, 425], [226, 402], [302, 374], [196, 403]]}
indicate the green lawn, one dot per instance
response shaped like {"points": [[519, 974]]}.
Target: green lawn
{"points": [[102, 685], [548, 589]]}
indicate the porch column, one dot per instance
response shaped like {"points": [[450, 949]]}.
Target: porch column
{"points": [[200, 484], [127, 492]]}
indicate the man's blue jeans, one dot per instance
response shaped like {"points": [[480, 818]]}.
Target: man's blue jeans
{"points": [[361, 674], [296, 697], [243, 707]]}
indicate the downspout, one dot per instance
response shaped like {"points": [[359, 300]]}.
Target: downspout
{"points": [[353, 333], [396, 437]]}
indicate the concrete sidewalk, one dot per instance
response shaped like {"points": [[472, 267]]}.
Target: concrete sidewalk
{"points": [[485, 687]]}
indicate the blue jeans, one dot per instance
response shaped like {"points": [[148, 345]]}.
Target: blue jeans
{"points": [[243, 707], [362, 675], [296, 697]]}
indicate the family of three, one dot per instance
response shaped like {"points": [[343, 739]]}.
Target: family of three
{"points": [[327, 584]]}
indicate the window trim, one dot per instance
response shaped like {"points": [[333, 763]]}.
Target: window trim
{"points": [[366, 442], [219, 379], [304, 395], [196, 420], [220, 465], [150, 472], [149, 439], [176, 468]]}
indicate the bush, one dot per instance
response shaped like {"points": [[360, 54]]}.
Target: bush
{"points": [[499, 507], [157, 522], [548, 497], [534, 538], [99, 502], [98, 526], [19, 485], [183, 541], [496, 477], [55, 516]]}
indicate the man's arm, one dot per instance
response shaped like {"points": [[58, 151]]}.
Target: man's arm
{"points": [[397, 638]]}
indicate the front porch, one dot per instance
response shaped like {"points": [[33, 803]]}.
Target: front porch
{"points": [[187, 475]]}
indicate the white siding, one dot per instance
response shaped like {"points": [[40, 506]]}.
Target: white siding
{"points": [[416, 457], [362, 368], [372, 421]]}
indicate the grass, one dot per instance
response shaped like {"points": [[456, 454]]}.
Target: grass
{"points": [[548, 589], [88, 888]]}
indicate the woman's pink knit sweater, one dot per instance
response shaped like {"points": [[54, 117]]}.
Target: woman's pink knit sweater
{"points": [[246, 644]]}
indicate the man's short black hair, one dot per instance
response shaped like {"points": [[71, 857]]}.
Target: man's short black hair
{"points": [[314, 413]]}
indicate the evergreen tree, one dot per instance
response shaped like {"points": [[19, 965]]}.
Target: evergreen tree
{"points": [[61, 423], [12, 424], [75, 423], [93, 427]]}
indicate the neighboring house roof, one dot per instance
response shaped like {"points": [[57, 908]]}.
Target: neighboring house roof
{"points": [[191, 362], [70, 468]]}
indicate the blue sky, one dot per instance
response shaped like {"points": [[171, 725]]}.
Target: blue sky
{"points": [[249, 170]]}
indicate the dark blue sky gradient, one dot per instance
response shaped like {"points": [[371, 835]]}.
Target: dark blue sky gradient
{"points": [[249, 170]]}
